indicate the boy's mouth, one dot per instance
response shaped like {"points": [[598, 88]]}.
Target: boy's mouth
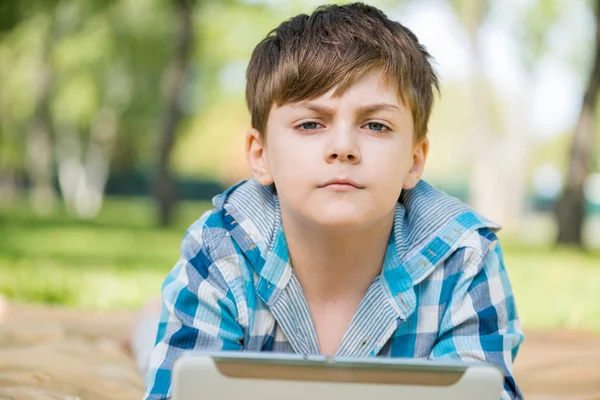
{"points": [[341, 184]]}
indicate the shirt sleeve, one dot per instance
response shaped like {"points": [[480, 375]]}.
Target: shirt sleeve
{"points": [[198, 313], [481, 322]]}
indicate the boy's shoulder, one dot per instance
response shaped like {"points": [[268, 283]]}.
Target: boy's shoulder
{"points": [[247, 213], [435, 222], [235, 233]]}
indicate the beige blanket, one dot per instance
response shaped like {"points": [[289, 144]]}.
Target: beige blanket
{"points": [[56, 353]]}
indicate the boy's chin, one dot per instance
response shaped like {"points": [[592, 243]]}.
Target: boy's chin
{"points": [[341, 220]]}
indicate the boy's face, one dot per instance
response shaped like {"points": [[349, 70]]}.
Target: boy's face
{"points": [[342, 162]]}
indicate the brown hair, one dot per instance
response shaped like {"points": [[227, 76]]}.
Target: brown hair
{"points": [[306, 56]]}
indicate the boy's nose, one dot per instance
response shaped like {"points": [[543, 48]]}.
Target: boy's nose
{"points": [[343, 147], [343, 156]]}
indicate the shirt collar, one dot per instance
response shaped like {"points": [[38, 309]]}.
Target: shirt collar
{"points": [[428, 226]]}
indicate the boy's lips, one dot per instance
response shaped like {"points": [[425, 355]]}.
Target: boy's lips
{"points": [[341, 184]]}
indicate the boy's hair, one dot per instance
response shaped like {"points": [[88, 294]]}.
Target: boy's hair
{"points": [[306, 56]]}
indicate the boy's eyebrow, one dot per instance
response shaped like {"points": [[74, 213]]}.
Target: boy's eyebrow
{"points": [[371, 108], [316, 108], [378, 107]]}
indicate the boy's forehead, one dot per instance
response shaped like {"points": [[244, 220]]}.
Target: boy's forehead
{"points": [[372, 88]]}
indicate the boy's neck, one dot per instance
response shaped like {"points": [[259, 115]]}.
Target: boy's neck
{"points": [[334, 265]]}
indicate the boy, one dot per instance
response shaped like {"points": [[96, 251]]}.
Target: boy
{"points": [[336, 246]]}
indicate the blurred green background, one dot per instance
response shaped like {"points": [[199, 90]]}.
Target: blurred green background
{"points": [[119, 120]]}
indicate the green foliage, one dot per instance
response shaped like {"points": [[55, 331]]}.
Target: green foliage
{"points": [[539, 27], [13, 12], [537, 20], [472, 13]]}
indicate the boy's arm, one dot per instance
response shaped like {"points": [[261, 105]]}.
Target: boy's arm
{"points": [[199, 312], [480, 322]]}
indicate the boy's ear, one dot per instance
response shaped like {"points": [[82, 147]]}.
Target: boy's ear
{"points": [[256, 157], [418, 166]]}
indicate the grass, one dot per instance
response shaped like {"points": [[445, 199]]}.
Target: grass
{"points": [[117, 261], [120, 259], [555, 287]]}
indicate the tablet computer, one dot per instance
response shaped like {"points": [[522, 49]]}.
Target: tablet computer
{"points": [[275, 376]]}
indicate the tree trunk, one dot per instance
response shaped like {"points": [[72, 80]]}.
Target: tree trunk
{"points": [[7, 186], [39, 136], [175, 78], [485, 185], [497, 182], [82, 176], [570, 210]]}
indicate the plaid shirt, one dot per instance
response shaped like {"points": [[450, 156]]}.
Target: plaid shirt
{"points": [[443, 293]]}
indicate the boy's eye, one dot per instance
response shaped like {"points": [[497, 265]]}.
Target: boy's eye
{"points": [[377, 127], [308, 126]]}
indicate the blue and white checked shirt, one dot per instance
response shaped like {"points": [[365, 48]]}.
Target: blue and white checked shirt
{"points": [[443, 292]]}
